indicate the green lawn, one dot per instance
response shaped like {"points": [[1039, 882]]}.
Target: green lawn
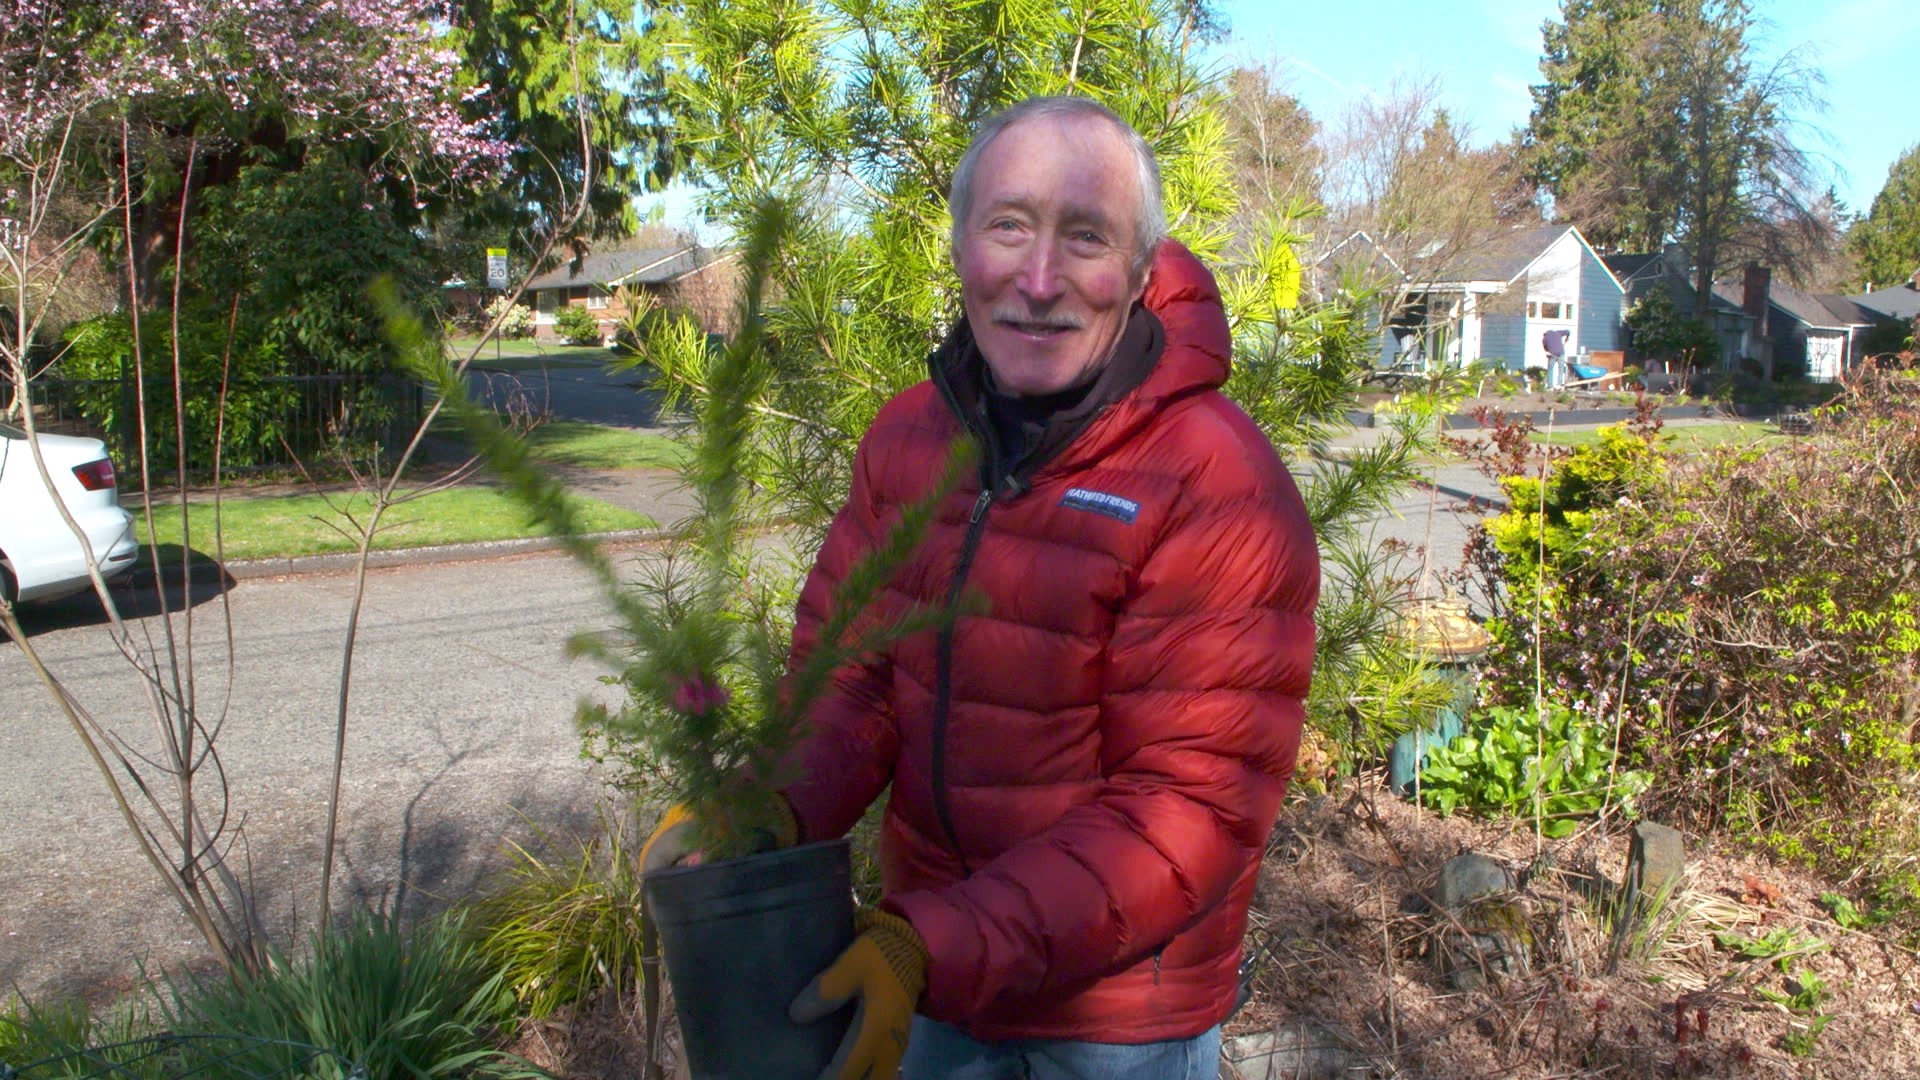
{"points": [[527, 354], [268, 526], [592, 446], [1680, 437]]}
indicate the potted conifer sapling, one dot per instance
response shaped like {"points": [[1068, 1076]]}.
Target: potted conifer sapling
{"points": [[712, 705]]}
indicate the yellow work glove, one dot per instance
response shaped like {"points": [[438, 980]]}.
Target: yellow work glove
{"points": [[886, 966], [673, 839]]}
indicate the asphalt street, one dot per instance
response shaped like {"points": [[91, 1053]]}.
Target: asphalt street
{"points": [[460, 737]]}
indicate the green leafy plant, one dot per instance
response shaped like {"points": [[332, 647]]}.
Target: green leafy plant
{"points": [[1805, 993], [562, 928], [381, 1000], [1848, 916], [576, 325], [1779, 945], [1556, 764]]}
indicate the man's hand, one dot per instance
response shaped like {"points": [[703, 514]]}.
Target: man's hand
{"points": [[673, 840], [886, 967]]}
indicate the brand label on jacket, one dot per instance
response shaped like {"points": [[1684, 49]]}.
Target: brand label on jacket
{"points": [[1113, 506]]}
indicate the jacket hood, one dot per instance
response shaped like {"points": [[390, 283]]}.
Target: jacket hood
{"points": [[1182, 294]]}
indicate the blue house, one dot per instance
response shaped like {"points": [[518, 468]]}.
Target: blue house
{"points": [[1513, 300]]}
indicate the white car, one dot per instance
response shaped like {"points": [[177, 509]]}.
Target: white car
{"points": [[40, 558]]}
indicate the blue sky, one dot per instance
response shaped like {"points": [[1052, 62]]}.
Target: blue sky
{"points": [[1484, 54]]}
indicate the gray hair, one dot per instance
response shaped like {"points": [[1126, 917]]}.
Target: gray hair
{"points": [[1148, 231]]}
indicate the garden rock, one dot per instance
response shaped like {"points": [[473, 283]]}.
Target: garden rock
{"points": [[1301, 1048], [1656, 858], [1468, 877], [1483, 931]]}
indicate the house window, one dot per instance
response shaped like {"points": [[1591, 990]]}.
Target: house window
{"points": [[1533, 310], [596, 300], [544, 301], [1549, 310]]}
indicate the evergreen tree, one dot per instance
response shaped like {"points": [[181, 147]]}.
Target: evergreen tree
{"points": [[1887, 240], [1657, 123], [1591, 140], [541, 71]]}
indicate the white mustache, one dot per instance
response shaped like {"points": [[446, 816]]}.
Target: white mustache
{"points": [[1059, 321]]}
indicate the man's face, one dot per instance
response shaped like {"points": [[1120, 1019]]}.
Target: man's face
{"points": [[1046, 253]]}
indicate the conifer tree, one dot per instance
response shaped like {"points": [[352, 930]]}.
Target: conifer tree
{"points": [[1660, 122], [1888, 238]]}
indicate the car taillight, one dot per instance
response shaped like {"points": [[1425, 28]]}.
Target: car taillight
{"points": [[95, 475]]}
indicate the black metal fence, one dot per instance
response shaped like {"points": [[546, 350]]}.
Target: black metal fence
{"points": [[271, 422]]}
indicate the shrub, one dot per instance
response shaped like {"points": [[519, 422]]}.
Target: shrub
{"points": [[258, 409], [1751, 614], [576, 325], [1656, 328], [517, 324]]}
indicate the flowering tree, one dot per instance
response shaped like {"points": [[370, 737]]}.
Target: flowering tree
{"points": [[317, 69], [134, 106], [115, 118]]}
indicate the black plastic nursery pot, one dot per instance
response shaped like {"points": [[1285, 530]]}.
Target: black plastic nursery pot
{"points": [[741, 938]]}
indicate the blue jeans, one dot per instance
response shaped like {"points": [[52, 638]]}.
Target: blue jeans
{"points": [[937, 1051]]}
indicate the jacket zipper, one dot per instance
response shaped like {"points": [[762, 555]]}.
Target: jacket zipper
{"points": [[943, 700]]}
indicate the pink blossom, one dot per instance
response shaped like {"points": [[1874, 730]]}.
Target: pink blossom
{"points": [[699, 696], [352, 68]]}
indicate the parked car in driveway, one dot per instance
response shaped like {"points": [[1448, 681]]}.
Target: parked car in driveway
{"points": [[40, 557]]}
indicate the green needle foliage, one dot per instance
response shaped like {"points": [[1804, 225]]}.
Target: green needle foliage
{"points": [[703, 641]]}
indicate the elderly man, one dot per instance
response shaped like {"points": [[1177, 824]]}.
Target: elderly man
{"points": [[1084, 774]]}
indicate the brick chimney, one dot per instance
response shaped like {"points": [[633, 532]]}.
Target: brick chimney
{"points": [[1757, 285]]}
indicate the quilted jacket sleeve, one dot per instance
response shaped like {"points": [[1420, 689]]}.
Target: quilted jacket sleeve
{"points": [[1202, 709], [845, 757]]}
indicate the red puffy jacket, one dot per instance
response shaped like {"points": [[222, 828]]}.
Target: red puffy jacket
{"points": [[1083, 777]]}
